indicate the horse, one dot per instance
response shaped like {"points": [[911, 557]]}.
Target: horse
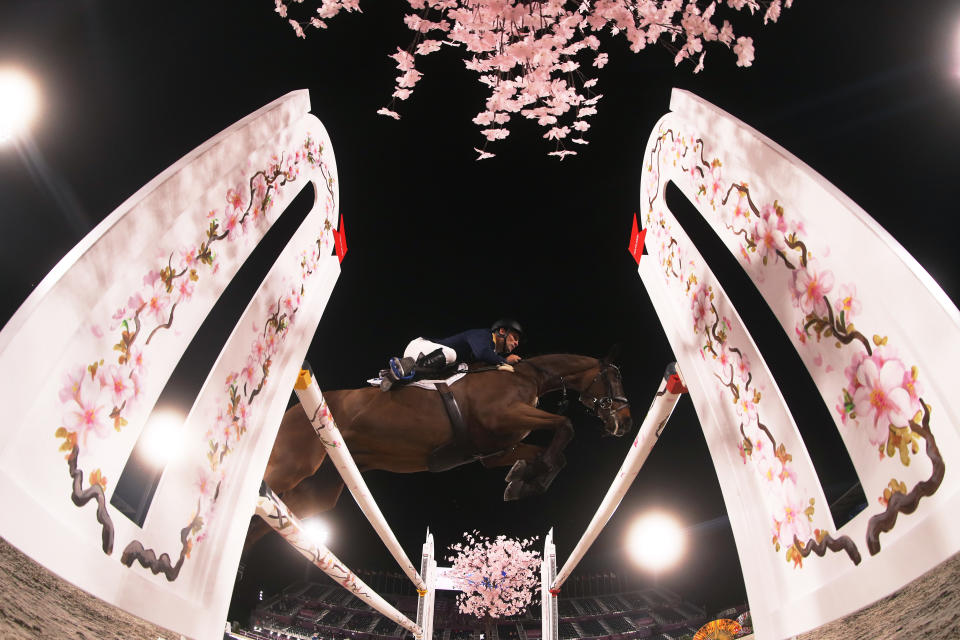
{"points": [[399, 430]]}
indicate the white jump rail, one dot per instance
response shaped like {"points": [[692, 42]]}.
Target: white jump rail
{"points": [[278, 516], [323, 423], [656, 419]]}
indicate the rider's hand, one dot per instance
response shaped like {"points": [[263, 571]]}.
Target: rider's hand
{"points": [[505, 367], [513, 358]]}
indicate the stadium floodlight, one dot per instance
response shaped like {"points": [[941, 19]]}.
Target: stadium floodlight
{"points": [[164, 436], [18, 103], [317, 530], [656, 541]]}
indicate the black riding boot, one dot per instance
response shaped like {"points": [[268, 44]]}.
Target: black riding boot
{"points": [[433, 362]]}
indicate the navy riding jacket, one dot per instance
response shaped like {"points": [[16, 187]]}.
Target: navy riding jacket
{"points": [[473, 345]]}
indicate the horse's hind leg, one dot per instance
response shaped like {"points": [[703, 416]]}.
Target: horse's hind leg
{"points": [[314, 495], [521, 452]]}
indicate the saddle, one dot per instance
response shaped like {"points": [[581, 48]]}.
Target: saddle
{"points": [[460, 449]]}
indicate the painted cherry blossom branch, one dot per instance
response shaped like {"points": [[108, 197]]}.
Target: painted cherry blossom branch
{"points": [[829, 326], [907, 503], [732, 386], [746, 387], [81, 496], [823, 541], [148, 559], [165, 325]]}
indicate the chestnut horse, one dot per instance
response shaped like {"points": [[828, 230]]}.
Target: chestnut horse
{"points": [[397, 431]]}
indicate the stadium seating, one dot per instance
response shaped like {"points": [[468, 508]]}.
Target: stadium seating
{"points": [[329, 612]]}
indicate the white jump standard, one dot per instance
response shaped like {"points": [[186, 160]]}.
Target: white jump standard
{"points": [[311, 399], [653, 424], [278, 516]]}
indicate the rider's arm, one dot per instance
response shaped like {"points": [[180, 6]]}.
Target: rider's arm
{"points": [[482, 347]]}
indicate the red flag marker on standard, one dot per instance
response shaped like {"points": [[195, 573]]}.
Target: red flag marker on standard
{"points": [[340, 240], [637, 238]]}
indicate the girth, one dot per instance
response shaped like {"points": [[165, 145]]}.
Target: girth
{"points": [[459, 450]]}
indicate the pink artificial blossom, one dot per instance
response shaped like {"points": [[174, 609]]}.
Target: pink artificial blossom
{"points": [[773, 12], [699, 67], [495, 134], [535, 50], [483, 155], [497, 577], [744, 51]]}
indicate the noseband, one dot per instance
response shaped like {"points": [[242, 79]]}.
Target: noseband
{"points": [[608, 404], [596, 405]]}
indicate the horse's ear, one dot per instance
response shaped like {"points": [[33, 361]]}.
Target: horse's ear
{"points": [[612, 355]]}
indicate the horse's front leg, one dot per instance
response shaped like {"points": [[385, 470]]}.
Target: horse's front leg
{"points": [[532, 477]]}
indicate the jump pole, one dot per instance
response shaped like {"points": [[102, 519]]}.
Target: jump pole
{"points": [[278, 516], [326, 428], [656, 419]]}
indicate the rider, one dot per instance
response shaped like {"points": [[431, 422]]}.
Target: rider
{"points": [[493, 346]]}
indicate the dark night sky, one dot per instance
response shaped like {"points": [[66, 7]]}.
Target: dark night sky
{"points": [[865, 93]]}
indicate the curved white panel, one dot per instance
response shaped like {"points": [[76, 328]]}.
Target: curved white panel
{"points": [[874, 331], [95, 343]]}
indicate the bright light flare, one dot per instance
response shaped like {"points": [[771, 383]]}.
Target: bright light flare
{"points": [[956, 54], [18, 103], [317, 530], [164, 437], [656, 541]]}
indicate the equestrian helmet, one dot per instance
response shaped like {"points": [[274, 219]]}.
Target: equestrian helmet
{"points": [[507, 323]]}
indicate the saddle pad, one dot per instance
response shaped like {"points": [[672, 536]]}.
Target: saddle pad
{"points": [[430, 385]]}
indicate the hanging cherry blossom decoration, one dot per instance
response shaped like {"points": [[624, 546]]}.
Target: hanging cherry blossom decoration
{"points": [[497, 578], [539, 58]]}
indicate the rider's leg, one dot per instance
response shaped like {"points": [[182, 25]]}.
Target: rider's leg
{"points": [[426, 356], [432, 362]]}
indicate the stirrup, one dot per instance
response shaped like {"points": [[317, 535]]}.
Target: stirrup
{"points": [[402, 368]]}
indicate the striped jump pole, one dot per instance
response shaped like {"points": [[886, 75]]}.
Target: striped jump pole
{"points": [[653, 424], [323, 423], [278, 516]]}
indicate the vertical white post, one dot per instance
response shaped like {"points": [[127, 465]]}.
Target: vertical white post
{"points": [[548, 601], [323, 423], [428, 569]]}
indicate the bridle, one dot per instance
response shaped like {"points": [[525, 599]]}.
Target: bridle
{"points": [[596, 405], [608, 404]]}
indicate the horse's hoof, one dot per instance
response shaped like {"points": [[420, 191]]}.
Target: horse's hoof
{"points": [[518, 490], [518, 472]]}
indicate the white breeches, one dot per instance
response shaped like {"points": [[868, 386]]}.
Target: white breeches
{"points": [[423, 346]]}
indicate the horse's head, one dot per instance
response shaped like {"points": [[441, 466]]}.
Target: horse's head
{"points": [[604, 397]]}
